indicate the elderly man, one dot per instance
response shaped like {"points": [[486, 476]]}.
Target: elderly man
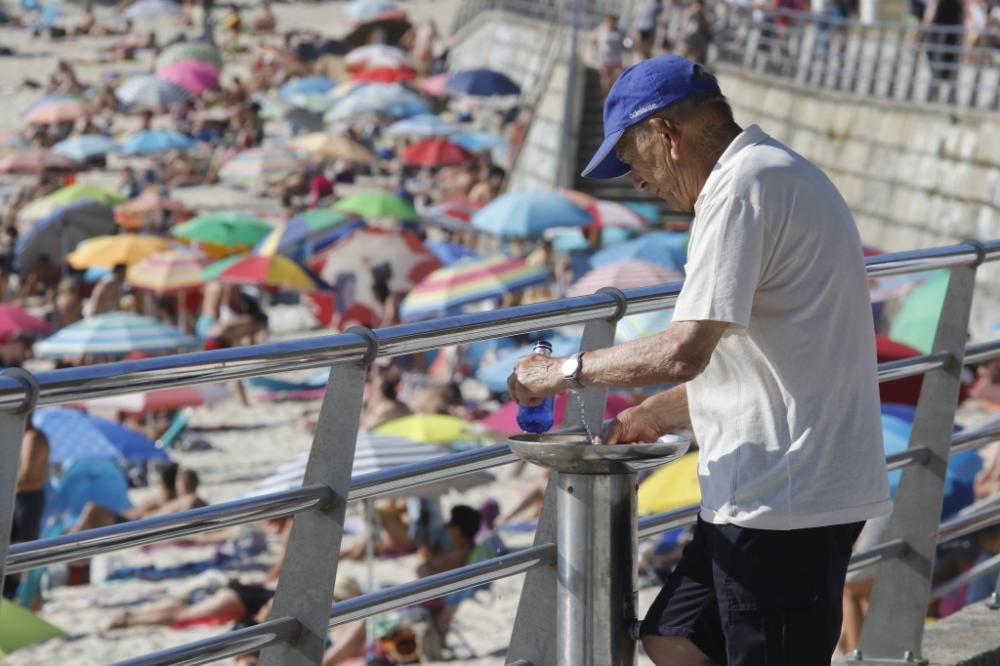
{"points": [[772, 349]]}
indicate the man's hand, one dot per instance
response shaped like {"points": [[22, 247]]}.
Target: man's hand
{"points": [[536, 377], [634, 424]]}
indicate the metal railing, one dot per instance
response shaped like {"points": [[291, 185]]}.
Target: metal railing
{"points": [[302, 610]]}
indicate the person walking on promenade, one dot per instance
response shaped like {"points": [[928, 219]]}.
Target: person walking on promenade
{"points": [[772, 352]]}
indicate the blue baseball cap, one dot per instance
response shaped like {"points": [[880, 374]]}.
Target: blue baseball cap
{"points": [[642, 90]]}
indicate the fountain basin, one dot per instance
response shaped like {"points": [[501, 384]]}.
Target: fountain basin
{"points": [[572, 453]]}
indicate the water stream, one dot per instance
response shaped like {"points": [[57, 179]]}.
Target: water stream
{"points": [[578, 398]]}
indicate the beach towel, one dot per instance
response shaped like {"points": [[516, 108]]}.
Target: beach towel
{"points": [[20, 627]]}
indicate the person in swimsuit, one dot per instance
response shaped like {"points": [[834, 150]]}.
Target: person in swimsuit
{"points": [[29, 502], [94, 515]]}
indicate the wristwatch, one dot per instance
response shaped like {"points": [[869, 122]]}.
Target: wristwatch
{"points": [[571, 369]]}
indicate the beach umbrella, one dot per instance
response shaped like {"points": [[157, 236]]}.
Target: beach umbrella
{"points": [[169, 271], [58, 109], [494, 375], [376, 55], [528, 214], [151, 211], [477, 142], [504, 419], [193, 75], [607, 213], [228, 229], [434, 85], [114, 334], [64, 196], [667, 248], [323, 146], [62, 230], [446, 290], [109, 251], [306, 110], [455, 214], [432, 429], [184, 51], [306, 85], [149, 90], [214, 269], [377, 206], [481, 82], [424, 124], [267, 165], [85, 147], [435, 152], [14, 320], [144, 9], [450, 253], [150, 142], [916, 322], [626, 274], [35, 161], [267, 271], [21, 628], [161, 400], [74, 435], [635, 326], [299, 229], [673, 486], [647, 209], [573, 240], [362, 10], [390, 99], [385, 75]]}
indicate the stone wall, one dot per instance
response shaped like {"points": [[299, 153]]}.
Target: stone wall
{"points": [[915, 175]]}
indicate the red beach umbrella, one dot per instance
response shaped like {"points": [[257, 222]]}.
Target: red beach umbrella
{"points": [[435, 153]]}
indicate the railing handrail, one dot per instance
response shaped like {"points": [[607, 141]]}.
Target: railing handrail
{"points": [[73, 384]]}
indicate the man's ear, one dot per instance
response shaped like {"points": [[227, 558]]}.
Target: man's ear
{"points": [[670, 131]]}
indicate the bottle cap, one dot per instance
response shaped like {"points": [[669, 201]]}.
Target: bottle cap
{"points": [[543, 347]]}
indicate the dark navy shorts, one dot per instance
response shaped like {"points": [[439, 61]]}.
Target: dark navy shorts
{"points": [[749, 597]]}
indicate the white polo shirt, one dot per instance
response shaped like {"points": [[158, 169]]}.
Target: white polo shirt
{"points": [[787, 411]]}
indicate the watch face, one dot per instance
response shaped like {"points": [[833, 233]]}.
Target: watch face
{"points": [[570, 366]]}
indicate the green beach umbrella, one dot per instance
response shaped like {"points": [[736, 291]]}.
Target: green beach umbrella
{"points": [[377, 206], [213, 270], [228, 229], [63, 197], [916, 322], [199, 51], [19, 627]]}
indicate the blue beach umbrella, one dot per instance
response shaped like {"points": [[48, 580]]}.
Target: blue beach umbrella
{"points": [[148, 90], [390, 99], [74, 435], [481, 82], [528, 214], [573, 240], [306, 85], [495, 374], [114, 334], [667, 248], [363, 10], [85, 147], [478, 142], [423, 124], [149, 142]]}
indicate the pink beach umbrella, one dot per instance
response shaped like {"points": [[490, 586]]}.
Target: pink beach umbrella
{"points": [[194, 76]]}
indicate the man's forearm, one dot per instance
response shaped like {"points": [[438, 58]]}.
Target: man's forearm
{"points": [[656, 359]]}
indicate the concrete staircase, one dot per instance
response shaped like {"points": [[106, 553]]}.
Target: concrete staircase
{"points": [[590, 136]]}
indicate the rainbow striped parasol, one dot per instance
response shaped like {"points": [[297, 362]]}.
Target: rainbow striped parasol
{"points": [[446, 290], [167, 272]]}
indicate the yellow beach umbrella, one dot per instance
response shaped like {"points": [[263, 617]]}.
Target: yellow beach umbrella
{"points": [[432, 429], [673, 486], [108, 251]]}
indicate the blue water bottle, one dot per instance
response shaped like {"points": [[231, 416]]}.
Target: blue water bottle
{"points": [[538, 418]]}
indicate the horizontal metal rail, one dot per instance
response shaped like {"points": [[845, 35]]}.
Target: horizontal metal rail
{"points": [[232, 644], [71, 384], [981, 569], [358, 608], [964, 524], [875, 554], [93, 542]]}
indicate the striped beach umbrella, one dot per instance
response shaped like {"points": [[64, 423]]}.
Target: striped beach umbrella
{"points": [[627, 274], [436, 152], [455, 214], [150, 142], [267, 271], [446, 290], [299, 229], [36, 160], [85, 147], [151, 211], [58, 109], [168, 272], [193, 75], [390, 99], [399, 256], [151, 91], [228, 229], [267, 165], [109, 251], [528, 214], [114, 334], [182, 51]]}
